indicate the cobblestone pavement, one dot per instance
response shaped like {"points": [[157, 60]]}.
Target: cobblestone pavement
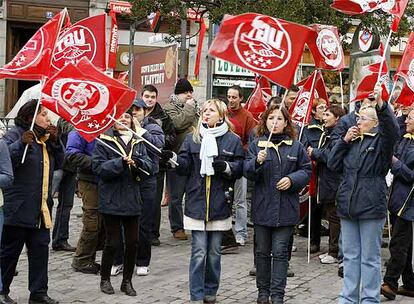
{"points": [[313, 283]]}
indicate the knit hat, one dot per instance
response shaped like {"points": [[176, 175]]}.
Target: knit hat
{"points": [[183, 86]]}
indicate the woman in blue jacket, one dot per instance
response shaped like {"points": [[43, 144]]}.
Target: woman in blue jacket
{"points": [[27, 213], [212, 157], [119, 196], [280, 169], [363, 156], [328, 180], [401, 203]]}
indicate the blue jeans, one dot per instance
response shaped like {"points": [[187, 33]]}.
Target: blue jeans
{"points": [[272, 246], [205, 264], [361, 244], [240, 205], [1, 232]]}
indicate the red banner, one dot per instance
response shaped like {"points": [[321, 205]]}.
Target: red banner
{"points": [[256, 104], [311, 87], [406, 67], [33, 61], [84, 39], [365, 87], [326, 47], [267, 46], [116, 7], [84, 96]]}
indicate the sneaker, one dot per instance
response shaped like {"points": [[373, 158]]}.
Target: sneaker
{"points": [[116, 269], [329, 260], [142, 271], [321, 256], [229, 249], [294, 248], [388, 292], [89, 268], [180, 235], [240, 240]]}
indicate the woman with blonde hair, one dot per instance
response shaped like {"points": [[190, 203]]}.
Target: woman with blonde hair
{"points": [[212, 157]]}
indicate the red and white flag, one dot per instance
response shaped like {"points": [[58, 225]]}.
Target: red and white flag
{"points": [[365, 87], [264, 45], [356, 7], [154, 20], [403, 92], [406, 71], [33, 61], [86, 97], [256, 104], [301, 108], [84, 39], [326, 47]]}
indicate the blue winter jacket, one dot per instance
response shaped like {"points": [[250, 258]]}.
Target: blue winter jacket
{"points": [[23, 199], [152, 132], [218, 207], [118, 185], [312, 133], [6, 168], [288, 158], [78, 156], [401, 199], [364, 163], [328, 180]]}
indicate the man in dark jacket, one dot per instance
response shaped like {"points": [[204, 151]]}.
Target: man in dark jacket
{"points": [[149, 95], [401, 203], [183, 112], [79, 157]]}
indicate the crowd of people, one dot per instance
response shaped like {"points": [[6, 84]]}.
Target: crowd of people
{"points": [[209, 156]]}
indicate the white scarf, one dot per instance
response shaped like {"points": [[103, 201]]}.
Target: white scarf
{"points": [[126, 136], [209, 147]]}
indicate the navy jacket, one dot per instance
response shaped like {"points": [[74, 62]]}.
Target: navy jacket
{"points": [[364, 165], [78, 156], [118, 186], [153, 133], [6, 168], [328, 180], [401, 123], [271, 207], [23, 199], [312, 133], [403, 182], [196, 206], [344, 123]]}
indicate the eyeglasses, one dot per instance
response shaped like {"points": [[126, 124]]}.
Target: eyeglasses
{"points": [[365, 118]]}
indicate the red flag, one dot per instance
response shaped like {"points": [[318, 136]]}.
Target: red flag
{"points": [[84, 39], [301, 108], [84, 96], [256, 104], [33, 61], [403, 91], [267, 46], [326, 47], [406, 67], [395, 8], [369, 78]]}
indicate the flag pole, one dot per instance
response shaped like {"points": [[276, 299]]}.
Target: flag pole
{"points": [[143, 139], [118, 152], [387, 43], [342, 89]]}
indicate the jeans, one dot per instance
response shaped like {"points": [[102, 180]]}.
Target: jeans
{"points": [[1, 231], [361, 244], [205, 264], [272, 260], [240, 205], [175, 207], [67, 188], [401, 248]]}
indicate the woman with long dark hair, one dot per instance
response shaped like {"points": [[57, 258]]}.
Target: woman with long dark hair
{"points": [[280, 168], [27, 215]]}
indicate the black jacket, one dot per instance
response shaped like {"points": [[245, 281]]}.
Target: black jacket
{"points": [[118, 185], [165, 122], [23, 199], [364, 165]]}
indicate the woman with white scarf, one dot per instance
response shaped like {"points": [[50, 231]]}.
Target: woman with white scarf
{"points": [[212, 157]]}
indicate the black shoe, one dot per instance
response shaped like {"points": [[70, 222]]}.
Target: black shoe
{"points": [[89, 268], [252, 271], [106, 287], [341, 272], [126, 286], [42, 300], [155, 242], [314, 248], [263, 300], [290, 273], [64, 247], [97, 265], [5, 299]]}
